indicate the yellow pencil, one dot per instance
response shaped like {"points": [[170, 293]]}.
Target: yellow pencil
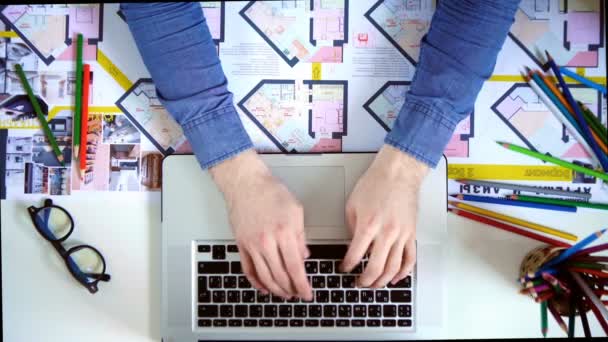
{"points": [[515, 220]]}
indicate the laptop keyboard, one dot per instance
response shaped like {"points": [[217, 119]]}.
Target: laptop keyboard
{"points": [[227, 299]]}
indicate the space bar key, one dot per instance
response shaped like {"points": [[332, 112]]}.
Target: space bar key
{"points": [[327, 251], [213, 267]]}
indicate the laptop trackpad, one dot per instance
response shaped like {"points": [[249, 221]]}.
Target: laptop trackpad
{"points": [[320, 189]]}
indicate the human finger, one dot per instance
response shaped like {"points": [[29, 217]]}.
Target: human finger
{"points": [[249, 270], [358, 247], [409, 260], [377, 260], [393, 263], [294, 264], [264, 274], [277, 269]]}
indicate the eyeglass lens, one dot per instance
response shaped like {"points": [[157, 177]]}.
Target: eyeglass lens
{"points": [[85, 262], [53, 222]]}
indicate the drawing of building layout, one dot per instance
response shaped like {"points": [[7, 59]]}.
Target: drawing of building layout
{"points": [[144, 109], [301, 30], [384, 107], [49, 29], [572, 31], [528, 117], [403, 23], [310, 116]]}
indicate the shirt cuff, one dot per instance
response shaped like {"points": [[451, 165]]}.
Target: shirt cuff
{"points": [[422, 130], [217, 136]]}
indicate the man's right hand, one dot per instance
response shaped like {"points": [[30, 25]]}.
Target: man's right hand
{"points": [[268, 225]]}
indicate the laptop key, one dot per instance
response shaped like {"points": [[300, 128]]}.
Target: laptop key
{"points": [[203, 323], [270, 311], [296, 323], [219, 252], [255, 311], [213, 267], [357, 323], [322, 296], [277, 299], [314, 311], [374, 311], [327, 322], [333, 282], [263, 298], [326, 267], [311, 267], [230, 282], [244, 283], [373, 323], [352, 296], [348, 281], [389, 311], [204, 248], [219, 323], [337, 267], [240, 311], [293, 299], [205, 311], [405, 311], [226, 311], [401, 296], [235, 323], [215, 282], [250, 323], [248, 296], [299, 311], [318, 282], [233, 296], [337, 296], [345, 311], [404, 323], [389, 323], [329, 311], [342, 323], [285, 311], [327, 251], [202, 283], [403, 283], [280, 322], [233, 249], [360, 311], [311, 323], [235, 267], [204, 296], [265, 323], [381, 296], [367, 296], [219, 296]]}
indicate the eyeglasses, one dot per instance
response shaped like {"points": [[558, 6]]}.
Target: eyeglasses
{"points": [[85, 263]]}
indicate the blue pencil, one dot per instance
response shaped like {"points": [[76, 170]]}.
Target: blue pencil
{"points": [[589, 83], [575, 248], [493, 200], [577, 111]]}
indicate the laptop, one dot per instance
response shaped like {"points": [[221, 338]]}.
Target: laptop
{"points": [[205, 296]]}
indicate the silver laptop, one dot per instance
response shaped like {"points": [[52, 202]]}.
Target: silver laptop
{"points": [[205, 296]]}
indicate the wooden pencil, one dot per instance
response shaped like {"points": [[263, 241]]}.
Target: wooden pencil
{"points": [[514, 202], [526, 188], [78, 99], [84, 119], [543, 318], [558, 201], [583, 314], [557, 317], [582, 79], [575, 248], [589, 271], [593, 249]]}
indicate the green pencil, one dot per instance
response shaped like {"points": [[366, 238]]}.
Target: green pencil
{"points": [[78, 104], [594, 122], [543, 318], [553, 160], [572, 309], [558, 201], [41, 118]]}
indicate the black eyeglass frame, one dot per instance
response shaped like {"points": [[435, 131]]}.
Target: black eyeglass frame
{"points": [[58, 245]]}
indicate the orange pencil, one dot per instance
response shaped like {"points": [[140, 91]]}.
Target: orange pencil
{"points": [[84, 122]]}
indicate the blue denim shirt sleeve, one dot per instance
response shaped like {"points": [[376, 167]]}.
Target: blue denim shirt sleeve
{"points": [[457, 55], [178, 50]]}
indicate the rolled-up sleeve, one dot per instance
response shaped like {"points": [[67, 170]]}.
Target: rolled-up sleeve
{"points": [[178, 51], [457, 55]]}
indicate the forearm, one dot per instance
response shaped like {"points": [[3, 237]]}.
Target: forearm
{"points": [[178, 50], [457, 55]]}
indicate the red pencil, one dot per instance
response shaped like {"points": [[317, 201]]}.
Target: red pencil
{"points": [[557, 317], [589, 271], [598, 315], [508, 228], [84, 121]]}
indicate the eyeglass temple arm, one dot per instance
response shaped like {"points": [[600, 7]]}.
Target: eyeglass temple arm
{"points": [[97, 276]]}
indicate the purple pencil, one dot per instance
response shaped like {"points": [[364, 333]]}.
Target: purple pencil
{"points": [[593, 249]]}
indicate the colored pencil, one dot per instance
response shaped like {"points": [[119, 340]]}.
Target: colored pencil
{"points": [[45, 126], [509, 228], [556, 283], [514, 220], [598, 315], [557, 201], [590, 258], [544, 297], [582, 79], [593, 249], [556, 92], [557, 317], [593, 266], [534, 283], [583, 314], [553, 160], [543, 318], [603, 147], [588, 271], [577, 111], [572, 309], [575, 248], [78, 100], [591, 297], [85, 119], [594, 121], [525, 188], [494, 200]]}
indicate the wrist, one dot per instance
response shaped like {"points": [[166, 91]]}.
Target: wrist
{"points": [[398, 164], [234, 173]]}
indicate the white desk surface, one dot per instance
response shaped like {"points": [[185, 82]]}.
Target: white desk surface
{"points": [[41, 301]]}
